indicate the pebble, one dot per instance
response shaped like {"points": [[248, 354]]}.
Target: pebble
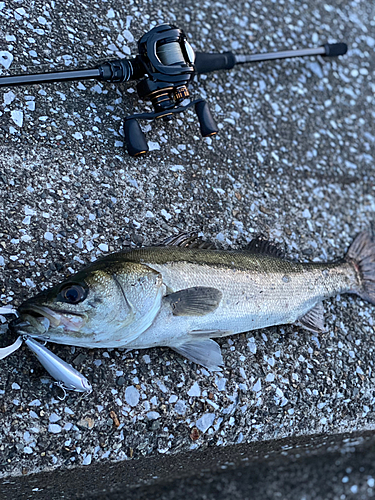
{"points": [[205, 422], [132, 396], [54, 428], [6, 59], [17, 117], [194, 390]]}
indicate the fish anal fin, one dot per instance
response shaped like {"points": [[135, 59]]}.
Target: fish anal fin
{"points": [[195, 301], [314, 319], [206, 353]]}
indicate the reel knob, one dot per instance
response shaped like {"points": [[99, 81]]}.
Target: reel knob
{"points": [[206, 122], [135, 139]]}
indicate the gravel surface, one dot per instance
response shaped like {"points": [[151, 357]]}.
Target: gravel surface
{"points": [[293, 161]]}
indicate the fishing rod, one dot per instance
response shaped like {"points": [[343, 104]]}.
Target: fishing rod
{"points": [[165, 65]]}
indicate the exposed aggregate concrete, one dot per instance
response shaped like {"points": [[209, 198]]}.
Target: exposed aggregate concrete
{"points": [[293, 160]]}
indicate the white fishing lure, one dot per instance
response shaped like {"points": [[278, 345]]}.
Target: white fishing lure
{"points": [[68, 377]]}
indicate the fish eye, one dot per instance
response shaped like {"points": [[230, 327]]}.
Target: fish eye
{"points": [[73, 294]]}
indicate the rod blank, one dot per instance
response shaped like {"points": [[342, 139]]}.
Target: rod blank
{"points": [[58, 76]]}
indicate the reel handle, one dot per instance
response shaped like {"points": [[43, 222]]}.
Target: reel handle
{"points": [[135, 139], [206, 122]]}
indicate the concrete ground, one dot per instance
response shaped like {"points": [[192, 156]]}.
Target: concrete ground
{"points": [[293, 160]]}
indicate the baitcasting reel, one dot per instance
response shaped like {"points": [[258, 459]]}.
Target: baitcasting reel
{"points": [[165, 65], [167, 60]]}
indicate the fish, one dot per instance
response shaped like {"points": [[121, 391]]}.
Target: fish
{"points": [[68, 377], [184, 294]]}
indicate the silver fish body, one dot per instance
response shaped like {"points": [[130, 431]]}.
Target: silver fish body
{"points": [[183, 297], [61, 371]]}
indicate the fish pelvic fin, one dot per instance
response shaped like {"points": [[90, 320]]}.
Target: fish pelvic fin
{"points": [[206, 353], [361, 255], [314, 319]]}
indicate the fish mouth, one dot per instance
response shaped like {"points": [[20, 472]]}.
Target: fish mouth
{"points": [[42, 318]]}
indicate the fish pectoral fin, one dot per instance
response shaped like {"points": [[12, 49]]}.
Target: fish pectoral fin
{"points": [[206, 353], [196, 301], [314, 319]]}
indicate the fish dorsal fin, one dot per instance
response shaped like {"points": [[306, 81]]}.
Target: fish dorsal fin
{"points": [[187, 240], [206, 353], [195, 301], [262, 246], [314, 319]]}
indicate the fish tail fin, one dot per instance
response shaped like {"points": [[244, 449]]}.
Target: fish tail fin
{"points": [[361, 255]]}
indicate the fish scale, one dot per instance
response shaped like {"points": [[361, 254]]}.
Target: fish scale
{"points": [[251, 299]]}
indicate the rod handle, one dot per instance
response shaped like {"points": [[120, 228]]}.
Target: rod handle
{"points": [[335, 49], [205, 63]]}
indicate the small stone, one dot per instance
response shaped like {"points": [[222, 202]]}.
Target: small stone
{"points": [[87, 460], [48, 236], [257, 386], [6, 59], [194, 435], [17, 117], [132, 396], [86, 423], [180, 407], [205, 422], [79, 360], [146, 359], [153, 415], [54, 428], [194, 390], [114, 417], [9, 97], [306, 213]]}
